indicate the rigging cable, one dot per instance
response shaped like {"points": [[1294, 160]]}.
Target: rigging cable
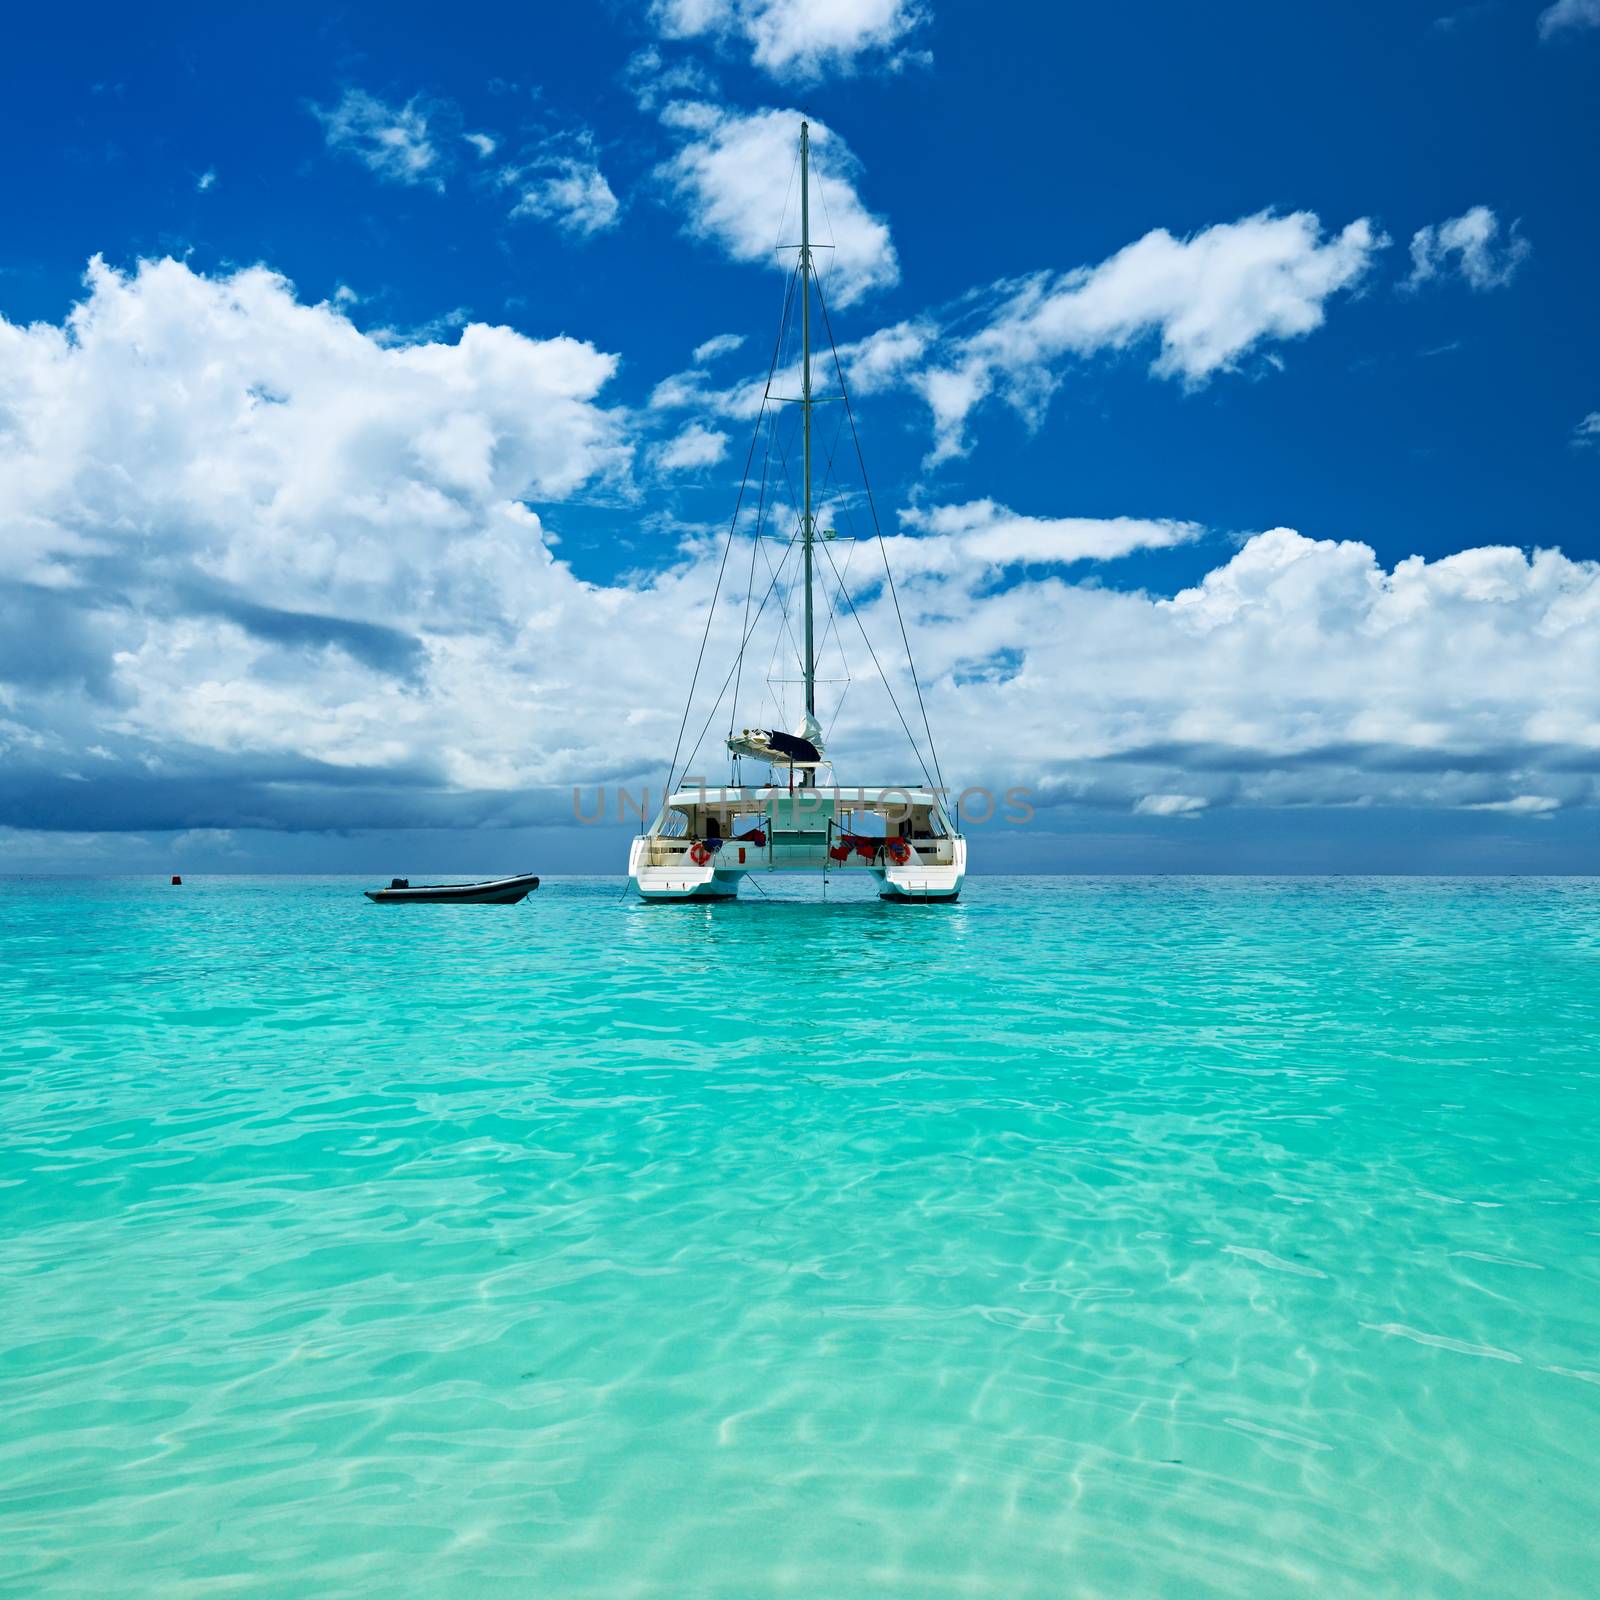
{"points": [[728, 545], [838, 639], [872, 506], [750, 582], [916, 749], [717, 703], [783, 461], [832, 630]]}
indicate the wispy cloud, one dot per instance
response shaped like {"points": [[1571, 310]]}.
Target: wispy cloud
{"points": [[394, 142], [982, 535], [1454, 21], [1586, 436], [556, 179], [1469, 246], [207, 180], [569, 191], [1204, 303], [1568, 16], [653, 80], [884, 359], [1170, 805], [1522, 805], [724, 344]]}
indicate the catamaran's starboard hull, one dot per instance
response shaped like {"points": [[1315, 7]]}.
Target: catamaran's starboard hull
{"points": [[926, 881], [919, 896]]}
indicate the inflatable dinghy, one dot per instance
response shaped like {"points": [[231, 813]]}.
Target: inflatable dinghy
{"points": [[492, 892]]}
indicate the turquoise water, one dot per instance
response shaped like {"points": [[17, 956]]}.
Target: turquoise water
{"points": [[1113, 1238]]}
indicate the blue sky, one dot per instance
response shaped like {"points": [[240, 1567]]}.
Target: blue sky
{"points": [[1178, 278]]}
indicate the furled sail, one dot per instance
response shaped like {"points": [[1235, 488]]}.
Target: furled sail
{"points": [[780, 749]]}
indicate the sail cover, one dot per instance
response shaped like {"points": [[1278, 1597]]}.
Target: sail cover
{"points": [[774, 746]]}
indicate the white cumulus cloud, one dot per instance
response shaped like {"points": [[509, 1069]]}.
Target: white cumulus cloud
{"points": [[241, 535], [733, 175], [1297, 672], [1205, 301], [1469, 245], [797, 38], [694, 447], [258, 568]]}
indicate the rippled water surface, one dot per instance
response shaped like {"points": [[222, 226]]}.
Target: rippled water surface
{"points": [[1113, 1238]]}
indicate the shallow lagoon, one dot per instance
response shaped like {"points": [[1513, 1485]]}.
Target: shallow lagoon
{"points": [[1205, 1237]]}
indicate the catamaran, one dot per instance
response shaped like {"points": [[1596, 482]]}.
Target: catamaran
{"points": [[704, 841]]}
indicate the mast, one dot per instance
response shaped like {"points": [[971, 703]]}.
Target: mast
{"points": [[807, 527]]}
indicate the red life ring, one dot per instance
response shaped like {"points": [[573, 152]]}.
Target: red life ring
{"points": [[699, 854], [899, 851]]}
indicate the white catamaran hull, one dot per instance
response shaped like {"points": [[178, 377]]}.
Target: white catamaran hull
{"points": [[682, 879], [926, 880], [663, 867]]}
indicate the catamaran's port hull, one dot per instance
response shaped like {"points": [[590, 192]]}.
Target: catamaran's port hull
{"points": [[663, 893]]}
